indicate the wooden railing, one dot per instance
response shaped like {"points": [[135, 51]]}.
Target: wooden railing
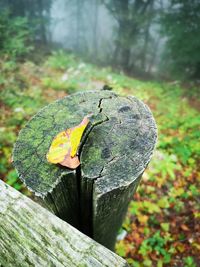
{"points": [[32, 236]]}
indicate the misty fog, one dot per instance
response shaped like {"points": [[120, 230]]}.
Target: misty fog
{"points": [[93, 33]]}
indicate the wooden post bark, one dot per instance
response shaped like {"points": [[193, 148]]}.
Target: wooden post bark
{"points": [[32, 236], [115, 151]]}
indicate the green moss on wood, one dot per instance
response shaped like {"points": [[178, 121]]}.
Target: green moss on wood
{"points": [[32, 236], [34, 140]]}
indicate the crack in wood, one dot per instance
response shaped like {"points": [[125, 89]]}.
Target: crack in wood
{"points": [[86, 214]]}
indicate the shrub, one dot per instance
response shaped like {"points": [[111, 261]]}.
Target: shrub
{"points": [[15, 35]]}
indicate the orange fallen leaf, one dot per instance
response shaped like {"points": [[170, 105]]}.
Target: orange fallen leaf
{"points": [[184, 227], [64, 147]]}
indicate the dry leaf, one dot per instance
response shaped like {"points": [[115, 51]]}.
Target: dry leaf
{"points": [[63, 149], [184, 227]]}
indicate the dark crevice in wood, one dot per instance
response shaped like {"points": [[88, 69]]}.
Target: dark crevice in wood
{"points": [[86, 207], [50, 199], [88, 131], [85, 186], [78, 180], [91, 208], [100, 102], [91, 126], [99, 106]]}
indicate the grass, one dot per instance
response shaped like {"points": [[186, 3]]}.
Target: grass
{"points": [[163, 221]]}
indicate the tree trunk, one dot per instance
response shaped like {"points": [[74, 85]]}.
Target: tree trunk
{"points": [[78, 24], [42, 22], [147, 37], [95, 29]]}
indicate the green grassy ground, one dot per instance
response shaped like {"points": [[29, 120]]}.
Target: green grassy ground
{"points": [[163, 221]]}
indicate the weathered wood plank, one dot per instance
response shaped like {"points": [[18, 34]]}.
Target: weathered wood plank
{"points": [[32, 236], [115, 151]]}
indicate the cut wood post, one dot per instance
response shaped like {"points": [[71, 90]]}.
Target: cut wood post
{"points": [[115, 150], [32, 236]]}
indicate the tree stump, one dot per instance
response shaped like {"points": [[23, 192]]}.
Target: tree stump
{"points": [[115, 150]]}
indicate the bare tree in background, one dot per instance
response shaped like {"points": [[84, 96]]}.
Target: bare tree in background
{"points": [[134, 20]]}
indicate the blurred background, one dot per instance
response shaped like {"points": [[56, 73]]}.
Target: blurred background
{"points": [[146, 48]]}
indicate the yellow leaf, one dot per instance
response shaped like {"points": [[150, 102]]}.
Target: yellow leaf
{"points": [[142, 218], [75, 138], [180, 247], [196, 245], [163, 203], [64, 147], [59, 148]]}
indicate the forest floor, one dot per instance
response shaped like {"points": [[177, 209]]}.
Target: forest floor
{"points": [[162, 227]]}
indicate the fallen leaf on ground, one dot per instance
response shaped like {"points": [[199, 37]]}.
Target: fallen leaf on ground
{"points": [[184, 227]]}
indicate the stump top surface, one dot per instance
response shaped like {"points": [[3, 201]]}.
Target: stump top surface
{"points": [[115, 152]]}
